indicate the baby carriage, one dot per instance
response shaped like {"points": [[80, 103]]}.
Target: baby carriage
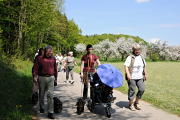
{"points": [[102, 83]]}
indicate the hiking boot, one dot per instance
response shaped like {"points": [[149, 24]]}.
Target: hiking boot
{"points": [[50, 116], [131, 107], [137, 106], [41, 110]]}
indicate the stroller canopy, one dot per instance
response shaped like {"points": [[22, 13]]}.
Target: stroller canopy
{"points": [[110, 75]]}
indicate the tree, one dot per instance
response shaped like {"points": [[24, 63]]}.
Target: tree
{"points": [[105, 48], [80, 48], [124, 47]]}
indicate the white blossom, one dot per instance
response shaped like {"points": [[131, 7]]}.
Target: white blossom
{"points": [[80, 48]]}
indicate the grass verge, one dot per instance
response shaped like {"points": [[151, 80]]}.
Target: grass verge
{"points": [[15, 90]]}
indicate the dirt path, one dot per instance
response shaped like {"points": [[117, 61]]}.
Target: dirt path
{"points": [[69, 93]]}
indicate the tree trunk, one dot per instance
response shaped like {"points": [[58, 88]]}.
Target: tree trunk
{"points": [[122, 58], [20, 28]]}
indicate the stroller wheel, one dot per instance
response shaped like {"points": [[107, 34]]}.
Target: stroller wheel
{"points": [[90, 105], [108, 111]]}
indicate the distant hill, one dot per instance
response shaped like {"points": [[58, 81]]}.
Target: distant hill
{"points": [[94, 39]]}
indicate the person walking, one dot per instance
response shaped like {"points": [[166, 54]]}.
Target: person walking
{"points": [[46, 68], [87, 66], [59, 60], [135, 69], [65, 57], [41, 52], [69, 63]]}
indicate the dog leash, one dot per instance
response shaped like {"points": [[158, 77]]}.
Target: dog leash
{"points": [[35, 87]]}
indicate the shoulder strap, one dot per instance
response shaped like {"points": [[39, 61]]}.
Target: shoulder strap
{"points": [[143, 60], [131, 64]]}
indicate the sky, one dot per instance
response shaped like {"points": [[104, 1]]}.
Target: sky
{"points": [[151, 20]]}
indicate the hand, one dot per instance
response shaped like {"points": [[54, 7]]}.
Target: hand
{"points": [[35, 80], [81, 76], [145, 77], [129, 77], [77, 66], [62, 67], [55, 82]]}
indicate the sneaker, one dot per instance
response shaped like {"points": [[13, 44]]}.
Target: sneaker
{"points": [[131, 107], [67, 81], [72, 82], [137, 106]]}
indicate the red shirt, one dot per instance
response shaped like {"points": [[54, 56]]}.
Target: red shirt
{"points": [[45, 66], [92, 59]]}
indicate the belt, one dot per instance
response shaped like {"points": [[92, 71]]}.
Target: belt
{"points": [[46, 75]]}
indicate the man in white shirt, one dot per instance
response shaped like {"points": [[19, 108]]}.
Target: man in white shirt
{"points": [[136, 74]]}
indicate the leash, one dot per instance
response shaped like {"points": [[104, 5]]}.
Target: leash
{"points": [[35, 87], [89, 65]]}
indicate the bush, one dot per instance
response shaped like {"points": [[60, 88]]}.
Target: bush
{"points": [[154, 57]]}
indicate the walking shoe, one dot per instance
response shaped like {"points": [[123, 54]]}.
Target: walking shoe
{"points": [[67, 81], [50, 115], [41, 110], [131, 107], [137, 106], [72, 81]]}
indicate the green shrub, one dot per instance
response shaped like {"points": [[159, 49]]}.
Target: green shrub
{"points": [[154, 57]]}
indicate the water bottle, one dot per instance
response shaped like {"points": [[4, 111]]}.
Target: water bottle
{"points": [[91, 78]]}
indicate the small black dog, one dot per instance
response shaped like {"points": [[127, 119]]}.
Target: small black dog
{"points": [[34, 97], [57, 105], [80, 105]]}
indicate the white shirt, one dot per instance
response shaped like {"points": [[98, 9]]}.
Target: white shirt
{"points": [[59, 58], [137, 68]]}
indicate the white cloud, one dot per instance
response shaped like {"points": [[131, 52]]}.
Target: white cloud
{"points": [[169, 25], [140, 1], [154, 40]]}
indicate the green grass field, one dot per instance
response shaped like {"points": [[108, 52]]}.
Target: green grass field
{"points": [[162, 86]]}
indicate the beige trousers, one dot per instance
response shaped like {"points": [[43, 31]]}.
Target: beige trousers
{"points": [[46, 84]]}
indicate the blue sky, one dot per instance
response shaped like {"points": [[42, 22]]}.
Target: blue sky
{"points": [[149, 19]]}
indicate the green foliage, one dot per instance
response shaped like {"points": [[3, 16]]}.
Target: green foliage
{"points": [[15, 89], [31, 24], [1, 44], [95, 39], [154, 57]]}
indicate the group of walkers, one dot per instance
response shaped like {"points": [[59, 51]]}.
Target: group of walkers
{"points": [[46, 67]]}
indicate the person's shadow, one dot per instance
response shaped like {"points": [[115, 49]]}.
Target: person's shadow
{"points": [[123, 104]]}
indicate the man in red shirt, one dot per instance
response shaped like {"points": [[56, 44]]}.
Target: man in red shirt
{"points": [[87, 64], [46, 69]]}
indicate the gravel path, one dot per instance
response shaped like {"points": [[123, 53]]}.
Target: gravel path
{"points": [[68, 94]]}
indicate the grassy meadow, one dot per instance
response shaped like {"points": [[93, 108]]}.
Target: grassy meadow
{"points": [[162, 86]]}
